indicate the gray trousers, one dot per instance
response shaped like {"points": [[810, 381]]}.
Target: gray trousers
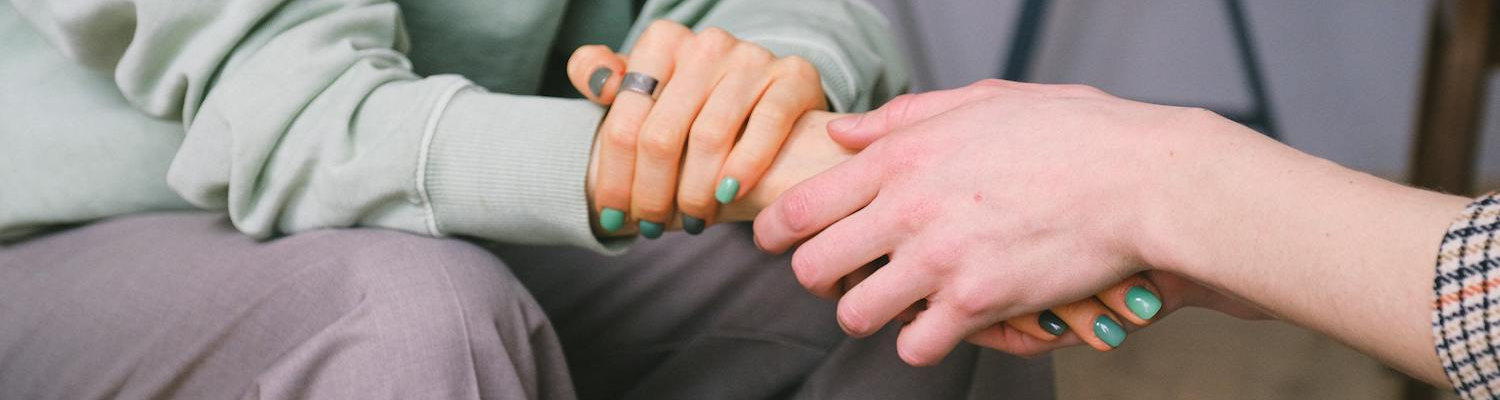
{"points": [[180, 305]]}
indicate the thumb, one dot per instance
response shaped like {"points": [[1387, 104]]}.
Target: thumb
{"points": [[596, 71], [858, 131]]}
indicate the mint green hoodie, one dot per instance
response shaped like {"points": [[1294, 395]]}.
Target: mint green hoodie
{"points": [[434, 117]]}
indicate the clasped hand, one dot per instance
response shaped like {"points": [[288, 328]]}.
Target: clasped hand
{"points": [[1006, 211], [1000, 207], [705, 138]]}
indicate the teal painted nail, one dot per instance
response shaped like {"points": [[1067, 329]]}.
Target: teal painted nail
{"points": [[1051, 323], [1142, 302], [650, 230], [692, 225], [727, 189], [596, 81], [611, 219], [1109, 331]]}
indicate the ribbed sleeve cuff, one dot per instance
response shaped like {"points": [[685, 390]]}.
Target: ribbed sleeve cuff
{"points": [[513, 169], [1466, 315]]}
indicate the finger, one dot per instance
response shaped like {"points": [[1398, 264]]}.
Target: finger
{"points": [[653, 56], [1093, 323], [825, 259], [818, 202], [662, 137], [930, 337], [883, 296], [714, 131], [595, 71], [1134, 298], [1010, 339], [794, 92], [858, 131], [1044, 325]]}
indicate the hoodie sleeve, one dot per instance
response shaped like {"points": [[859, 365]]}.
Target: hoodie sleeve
{"points": [[306, 114]]}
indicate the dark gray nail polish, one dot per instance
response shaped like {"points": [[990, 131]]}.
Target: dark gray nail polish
{"points": [[596, 81], [1051, 323], [692, 225]]}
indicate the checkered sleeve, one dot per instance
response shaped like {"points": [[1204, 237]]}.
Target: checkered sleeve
{"points": [[1466, 314]]}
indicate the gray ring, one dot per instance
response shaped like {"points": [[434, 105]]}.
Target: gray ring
{"points": [[639, 83]]}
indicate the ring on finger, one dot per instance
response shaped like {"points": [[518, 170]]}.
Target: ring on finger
{"points": [[639, 83]]}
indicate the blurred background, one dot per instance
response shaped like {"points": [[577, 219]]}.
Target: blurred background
{"points": [[1339, 79]]}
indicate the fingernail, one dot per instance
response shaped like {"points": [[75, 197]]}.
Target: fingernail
{"points": [[845, 123], [1051, 323], [692, 225], [727, 189], [611, 219], [1142, 302], [596, 81], [650, 230], [1109, 331]]}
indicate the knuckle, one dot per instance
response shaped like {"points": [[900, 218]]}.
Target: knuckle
{"points": [[653, 208], [695, 204], [660, 147], [662, 26], [715, 39], [772, 117], [901, 155], [900, 108], [751, 54], [710, 137], [619, 138], [798, 67], [939, 259], [972, 303], [665, 30], [1079, 90], [617, 193], [992, 82], [796, 212], [756, 156]]}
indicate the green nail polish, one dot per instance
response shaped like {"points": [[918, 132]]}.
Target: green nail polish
{"points": [[650, 230], [692, 225], [1051, 323], [1142, 302], [1109, 331], [596, 81], [727, 189], [611, 219]]}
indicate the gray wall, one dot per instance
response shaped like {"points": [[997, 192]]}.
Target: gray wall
{"points": [[1343, 75]]}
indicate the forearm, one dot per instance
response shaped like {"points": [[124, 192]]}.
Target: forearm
{"points": [[807, 151], [1338, 251]]}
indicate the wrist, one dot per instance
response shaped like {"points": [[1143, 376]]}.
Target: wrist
{"points": [[1200, 160]]}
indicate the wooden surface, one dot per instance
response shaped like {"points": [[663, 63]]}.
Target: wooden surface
{"points": [[1458, 58]]}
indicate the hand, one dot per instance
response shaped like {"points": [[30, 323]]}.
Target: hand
{"points": [[684, 149], [1018, 183], [1004, 199]]}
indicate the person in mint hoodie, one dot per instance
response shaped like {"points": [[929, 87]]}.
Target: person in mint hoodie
{"points": [[313, 198]]}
